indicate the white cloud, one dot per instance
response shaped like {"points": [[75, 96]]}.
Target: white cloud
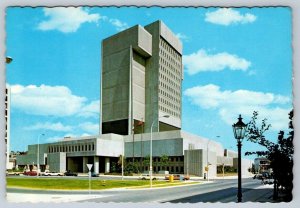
{"points": [[182, 37], [202, 61], [90, 127], [54, 139], [50, 126], [47, 100], [66, 19], [227, 16], [118, 24], [60, 138], [230, 103], [91, 110]]}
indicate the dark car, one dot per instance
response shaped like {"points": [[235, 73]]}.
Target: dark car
{"points": [[70, 173], [30, 173], [95, 174]]}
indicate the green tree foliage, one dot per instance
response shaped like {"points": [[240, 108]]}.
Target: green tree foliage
{"points": [[280, 154], [146, 161], [164, 160]]}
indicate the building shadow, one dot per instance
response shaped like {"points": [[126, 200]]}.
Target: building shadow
{"points": [[229, 195]]}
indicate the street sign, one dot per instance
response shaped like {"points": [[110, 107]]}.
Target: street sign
{"points": [[206, 168], [89, 166]]}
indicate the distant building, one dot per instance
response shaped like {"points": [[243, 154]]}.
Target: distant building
{"points": [[141, 82], [261, 164]]}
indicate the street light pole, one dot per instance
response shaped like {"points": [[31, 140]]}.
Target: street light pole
{"points": [[207, 159], [38, 155], [239, 130], [239, 195], [165, 116]]}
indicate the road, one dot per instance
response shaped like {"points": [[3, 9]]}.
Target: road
{"points": [[214, 191], [217, 191]]}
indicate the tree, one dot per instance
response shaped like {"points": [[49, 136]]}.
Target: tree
{"points": [[280, 154], [146, 161], [164, 160]]}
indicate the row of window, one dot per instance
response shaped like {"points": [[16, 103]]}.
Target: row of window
{"points": [[170, 100], [169, 104], [173, 64], [168, 49], [173, 98], [169, 92], [170, 82], [72, 148], [169, 111], [171, 169]]}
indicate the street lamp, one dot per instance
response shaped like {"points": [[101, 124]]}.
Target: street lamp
{"points": [[38, 155], [165, 116], [207, 168], [239, 130]]}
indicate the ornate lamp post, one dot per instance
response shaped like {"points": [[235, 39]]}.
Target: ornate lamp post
{"points": [[239, 130], [165, 116]]}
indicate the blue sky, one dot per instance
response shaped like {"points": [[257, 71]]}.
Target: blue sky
{"points": [[236, 60]]}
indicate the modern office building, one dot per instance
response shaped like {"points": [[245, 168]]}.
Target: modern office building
{"points": [[141, 80], [141, 83]]}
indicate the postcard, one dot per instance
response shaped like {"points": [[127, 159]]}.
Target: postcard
{"points": [[149, 104]]}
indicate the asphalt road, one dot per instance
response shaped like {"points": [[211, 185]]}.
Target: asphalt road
{"points": [[216, 191]]}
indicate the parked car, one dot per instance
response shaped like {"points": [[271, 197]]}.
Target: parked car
{"points": [[70, 173], [48, 173], [146, 177], [95, 174], [257, 176], [178, 177], [30, 173]]}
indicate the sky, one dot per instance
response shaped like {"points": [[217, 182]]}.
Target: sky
{"points": [[236, 61]]}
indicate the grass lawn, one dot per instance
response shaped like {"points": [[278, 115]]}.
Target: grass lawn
{"points": [[83, 184]]}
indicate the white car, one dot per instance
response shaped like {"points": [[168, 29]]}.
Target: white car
{"points": [[48, 173], [146, 177]]}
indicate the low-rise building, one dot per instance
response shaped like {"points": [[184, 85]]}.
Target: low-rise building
{"points": [[187, 153]]}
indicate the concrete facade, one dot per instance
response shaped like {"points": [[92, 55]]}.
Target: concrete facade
{"points": [[131, 60], [188, 154], [74, 153]]}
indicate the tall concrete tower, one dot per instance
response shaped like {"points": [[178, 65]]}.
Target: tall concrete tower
{"points": [[141, 80]]}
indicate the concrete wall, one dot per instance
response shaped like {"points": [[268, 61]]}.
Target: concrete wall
{"points": [[246, 164], [117, 58], [57, 161], [170, 147], [155, 109], [193, 162], [31, 156], [138, 86], [110, 145], [227, 161]]}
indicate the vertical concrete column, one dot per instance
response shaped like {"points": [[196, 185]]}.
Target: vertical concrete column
{"points": [[107, 165], [84, 167], [96, 164]]}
